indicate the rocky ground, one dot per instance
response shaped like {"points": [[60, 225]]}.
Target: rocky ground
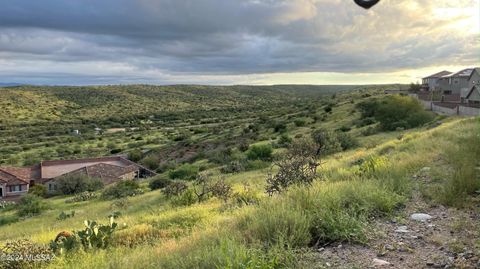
{"points": [[423, 236]]}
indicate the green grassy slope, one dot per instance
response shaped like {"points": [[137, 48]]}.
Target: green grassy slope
{"points": [[211, 234]]}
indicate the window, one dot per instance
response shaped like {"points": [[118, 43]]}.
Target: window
{"points": [[15, 188]]}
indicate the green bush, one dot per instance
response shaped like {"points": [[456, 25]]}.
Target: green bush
{"points": [[186, 198], [135, 155], [284, 141], [347, 141], [159, 182], [30, 205], [6, 205], [327, 141], [185, 172], [64, 216], [124, 188], [77, 183], [82, 197], [260, 152], [395, 112], [280, 127], [256, 165], [151, 162], [4, 220], [174, 189], [300, 122], [38, 190]]}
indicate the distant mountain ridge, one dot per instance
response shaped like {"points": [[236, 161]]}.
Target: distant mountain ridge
{"points": [[8, 84]]}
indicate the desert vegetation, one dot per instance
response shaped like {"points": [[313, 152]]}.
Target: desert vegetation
{"points": [[263, 187]]}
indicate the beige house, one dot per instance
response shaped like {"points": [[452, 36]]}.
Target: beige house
{"points": [[15, 182]]}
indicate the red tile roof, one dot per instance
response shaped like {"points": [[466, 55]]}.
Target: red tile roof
{"points": [[106, 172], [14, 174]]}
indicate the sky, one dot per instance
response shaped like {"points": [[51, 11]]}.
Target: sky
{"points": [[81, 42]]}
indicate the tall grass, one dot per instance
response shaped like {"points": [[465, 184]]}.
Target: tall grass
{"points": [[321, 214], [464, 160]]}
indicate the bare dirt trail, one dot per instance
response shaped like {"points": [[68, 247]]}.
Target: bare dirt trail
{"points": [[446, 238]]}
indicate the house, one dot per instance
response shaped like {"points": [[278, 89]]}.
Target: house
{"points": [[457, 83], [431, 83], [16, 181], [473, 96], [474, 79]]}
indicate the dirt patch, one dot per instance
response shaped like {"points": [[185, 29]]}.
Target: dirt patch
{"points": [[450, 239]]}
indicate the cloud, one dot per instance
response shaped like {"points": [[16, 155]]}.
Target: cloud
{"points": [[155, 39]]}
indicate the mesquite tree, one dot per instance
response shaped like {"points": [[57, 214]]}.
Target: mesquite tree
{"points": [[297, 166]]}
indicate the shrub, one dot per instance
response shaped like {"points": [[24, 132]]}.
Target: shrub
{"points": [[135, 155], [396, 111], [159, 182], [327, 141], [221, 190], [284, 140], [186, 198], [233, 167], [347, 141], [38, 190], [300, 122], [372, 165], [116, 151], [185, 172], [6, 205], [256, 165], [245, 197], [297, 166], [30, 205], [280, 127], [72, 184], [220, 156], [151, 162], [81, 197], [122, 189], [260, 152], [26, 254], [64, 216], [4, 220], [174, 189], [122, 204]]}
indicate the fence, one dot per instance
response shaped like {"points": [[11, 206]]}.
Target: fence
{"points": [[448, 108]]}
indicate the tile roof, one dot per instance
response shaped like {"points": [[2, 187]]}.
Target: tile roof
{"points": [[108, 173], [15, 175], [52, 169]]}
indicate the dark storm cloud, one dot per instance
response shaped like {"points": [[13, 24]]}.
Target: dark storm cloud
{"points": [[226, 36]]}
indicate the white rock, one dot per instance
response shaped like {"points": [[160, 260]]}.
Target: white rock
{"points": [[425, 169], [378, 262], [402, 229], [420, 217]]}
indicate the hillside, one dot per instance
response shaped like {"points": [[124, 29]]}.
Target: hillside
{"points": [[375, 172]]}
